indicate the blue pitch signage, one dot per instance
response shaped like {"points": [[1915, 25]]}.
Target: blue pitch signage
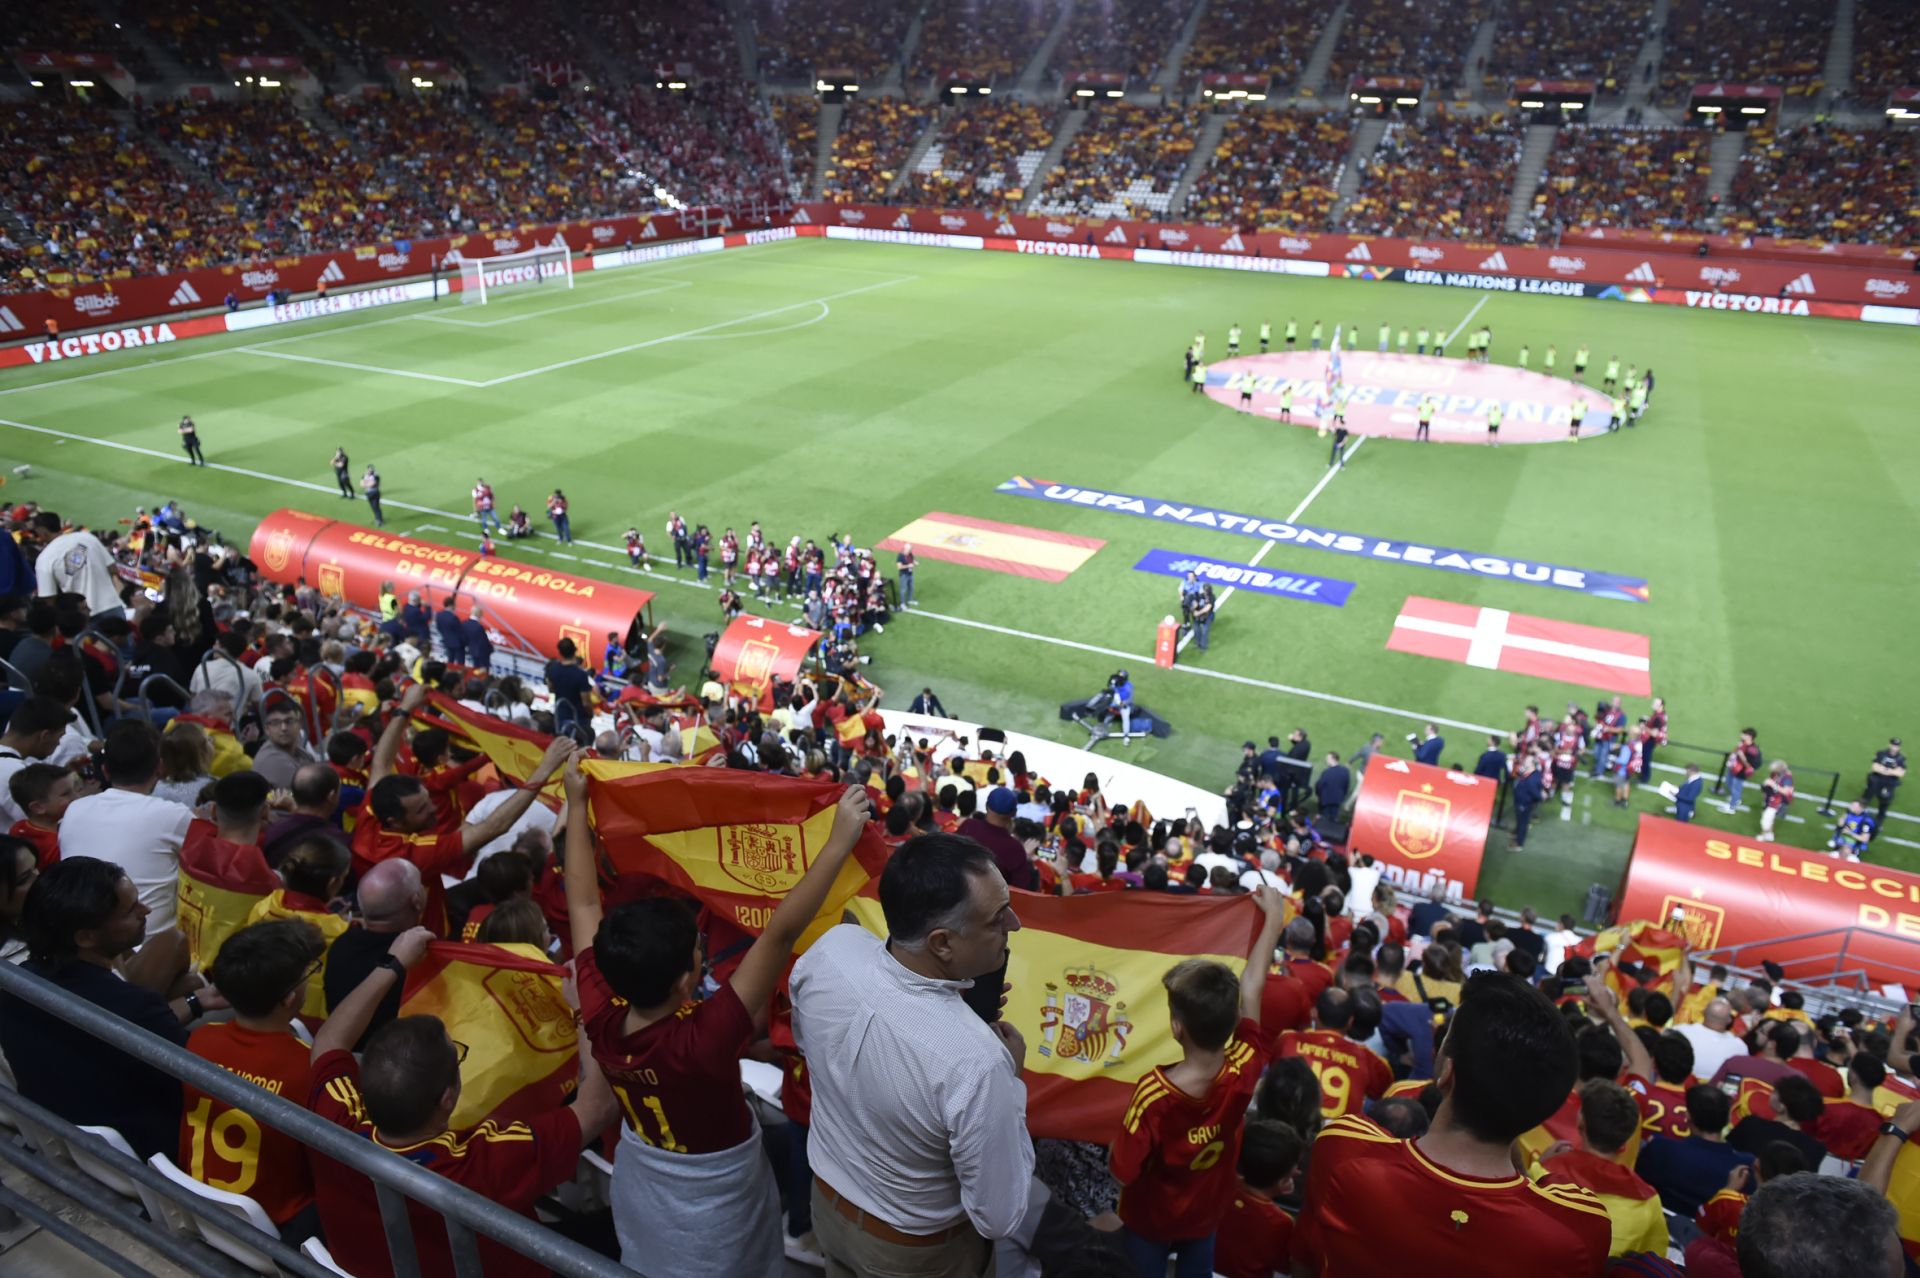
{"points": [[1603, 585], [1264, 581]]}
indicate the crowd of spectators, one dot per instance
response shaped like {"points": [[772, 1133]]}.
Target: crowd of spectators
{"points": [[1781, 42], [798, 120], [1827, 183], [371, 31], [1125, 161], [646, 37], [988, 41], [59, 28], [1129, 36], [982, 157], [1581, 40], [1645, 178], [712, 144], [800, 38], [1444, 177], [1273, 171], [1405, 37], [523, 39], [1264, 37], [871, 147], [200, 32], [1886, 50]]}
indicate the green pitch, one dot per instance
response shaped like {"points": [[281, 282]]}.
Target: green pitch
{"points": [[1767, 498]]}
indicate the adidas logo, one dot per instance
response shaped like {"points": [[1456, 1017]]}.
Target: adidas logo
{"points": [[1358, 253], [184, 295], [1498, 262], [1118, 235], [1006, 228], [800, 218], [1641, 274], [902, 224], [1801, 283], [9, 322], [1232, 244], [333, 274], [649, 231]]}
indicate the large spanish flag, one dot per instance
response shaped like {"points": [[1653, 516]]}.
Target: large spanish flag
{"points": [[513, 750], [504, 1002], [1652, 949], [274, 907], [1085, 972], [220, 883], [1040, 553], [738, 841]]}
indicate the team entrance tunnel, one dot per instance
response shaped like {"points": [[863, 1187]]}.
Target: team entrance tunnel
{"points": [[536, 606]]}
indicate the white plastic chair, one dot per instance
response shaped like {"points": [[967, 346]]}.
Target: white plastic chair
{"points": [[317, 1252], [97, 1167], [175, 1217], [761, 1083]]}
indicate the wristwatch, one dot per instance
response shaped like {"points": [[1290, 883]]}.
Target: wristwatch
{"points": [[394, 965], [1889, 1129], [194, 1012]]}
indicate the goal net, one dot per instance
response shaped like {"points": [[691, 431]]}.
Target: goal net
{"points": [[481, 277]]}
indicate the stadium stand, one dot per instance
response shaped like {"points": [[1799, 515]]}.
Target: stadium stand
{"points": [[200, 31], [875, 136], [1124, 162], [523, 41], [984, 41], [372, 31], [64, 29], [1267, 37], [799, 38], [1650, 178], [1829, 184], [983, 157], [1131, 36], [1273, 170], [248, 148], [1396, 37], [665, 36], [1443, 177], [1780, 42], [1580, 40], [798, 120], [1886, 50]]}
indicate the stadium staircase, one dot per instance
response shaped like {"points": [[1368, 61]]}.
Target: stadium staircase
{"points": [[1314, 75], [1203, 148], [742, 22], [1838, 72], [917, 152], [1478, 51], [1070, 121], [1366, 140], [167, 69], [1639, 82], [896, 75], [1030, 81], [1724, 159], [829, 125], [1526, 174], [1168, 76]]}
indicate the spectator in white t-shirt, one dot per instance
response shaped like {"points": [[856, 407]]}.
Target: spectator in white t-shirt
{"points": [[76, 563], [126, 825], [32, 733], [1714, 1042], [1557, 942]]}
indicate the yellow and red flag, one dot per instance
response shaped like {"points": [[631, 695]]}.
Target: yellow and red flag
{"points": [[513, 750], [1648, 947], [229, 756], [738, 841], [220, 883], [1085, 972], [504, 1002], [273, 907]]}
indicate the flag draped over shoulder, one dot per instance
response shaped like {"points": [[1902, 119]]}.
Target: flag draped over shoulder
{"points": [[504, 1002], [220, 883], [1647, 946], [738, 841], [513, 750], [1087, 997], [274, 907], [229, 756]]}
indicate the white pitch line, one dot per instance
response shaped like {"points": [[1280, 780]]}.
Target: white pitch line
{"points": [[415, 374], [523, 316]]}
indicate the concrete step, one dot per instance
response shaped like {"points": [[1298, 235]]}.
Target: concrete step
{"points": [[916, 151], [1069, 124], [1033, 77], [830, 114], [1314, 75], [895, 76], [1366, 140], [1838, 72], [1203, 148], [1168, 76], [1526, 174], [1724, 157], [1478, 51]]}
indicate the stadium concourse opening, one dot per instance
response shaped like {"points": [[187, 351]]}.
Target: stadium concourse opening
{"points": [[1385, 392]]}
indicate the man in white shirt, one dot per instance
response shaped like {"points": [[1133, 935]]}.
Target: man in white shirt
{"points": [[32, 733], [918, 1142], [1268, 873], [76, 563], [1714, 1042], [221, 670], [126, 825], [1558, 941]]}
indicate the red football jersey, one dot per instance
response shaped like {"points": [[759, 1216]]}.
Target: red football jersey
{"points": [[228, 1148], [436, 852], [678, 1079], [1824, 1076], [1350, 1073], [1254, 1239], [1175, 1155], [1663, 1108], [1285, 1003], [1373, 1201], [1847, 1128], [513, 1165], [46, 843], [1720, 1215], [1315, 976]]}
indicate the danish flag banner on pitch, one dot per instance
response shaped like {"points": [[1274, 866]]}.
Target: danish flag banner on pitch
{"points": [[1495, 639], [1427, 826]]}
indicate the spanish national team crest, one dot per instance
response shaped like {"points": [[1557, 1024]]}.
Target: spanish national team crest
{"points": [[757, 658], [767, 858], [333, 581], [279, 550], [1699, 922], [1419, 826], [1086, 1023], [534, 1006]]}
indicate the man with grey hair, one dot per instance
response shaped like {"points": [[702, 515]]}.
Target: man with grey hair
{"points": [[1268, 873], [1712, 1038], [392, 898], [1812, 1226]]}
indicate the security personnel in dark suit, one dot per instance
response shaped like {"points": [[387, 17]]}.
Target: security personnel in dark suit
{"points": [[1492, 763], [1429, 748], [1526, 797]]}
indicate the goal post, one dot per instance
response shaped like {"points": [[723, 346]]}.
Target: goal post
{"points": [[481, 277]]}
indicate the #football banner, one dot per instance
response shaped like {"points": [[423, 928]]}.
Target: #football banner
{"points": [[1720, 889], [1086, 996], [1424, 824], [504, 1002], [738, 841]]}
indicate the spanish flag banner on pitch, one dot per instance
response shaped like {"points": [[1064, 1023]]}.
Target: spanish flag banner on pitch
{"points": [[504, 1002], [1085, 972], [220, 883], [738, 841], [1647, 946]]}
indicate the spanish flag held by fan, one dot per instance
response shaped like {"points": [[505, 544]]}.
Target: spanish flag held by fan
{"points": [[506, 1004], [1642, 954]]}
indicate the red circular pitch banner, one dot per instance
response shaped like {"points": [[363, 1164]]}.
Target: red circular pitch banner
{"points": [[1426, 825]]}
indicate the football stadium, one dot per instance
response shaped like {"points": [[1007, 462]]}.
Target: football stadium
{"points": [[574, 576]]}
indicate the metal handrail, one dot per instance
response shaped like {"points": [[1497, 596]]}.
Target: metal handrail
{"points": [[164, 681], [1731, 953], [16, 679], [392, 1176], [241, 703]]}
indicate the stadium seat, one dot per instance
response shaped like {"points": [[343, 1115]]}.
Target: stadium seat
{"points": [[178, 1220], [317, 1252], [89, 1161]]}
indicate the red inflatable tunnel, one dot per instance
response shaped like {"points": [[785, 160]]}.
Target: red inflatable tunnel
{"points": [[538, 605], [755, 651]]}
